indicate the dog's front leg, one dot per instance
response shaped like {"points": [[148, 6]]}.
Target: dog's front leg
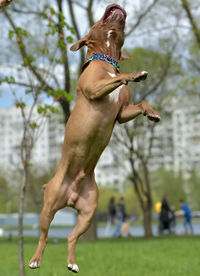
{"points": [[130, 111], [95, 88]]}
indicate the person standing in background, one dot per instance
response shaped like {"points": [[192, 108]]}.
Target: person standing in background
{"points": [[111, 210], [120, 217], [164, 215], [111, 216], [188, 216]]}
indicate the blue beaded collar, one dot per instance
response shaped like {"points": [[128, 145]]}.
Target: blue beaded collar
{"points": [[104, 58]]}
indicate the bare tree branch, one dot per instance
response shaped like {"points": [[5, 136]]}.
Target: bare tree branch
{"points": [[133, 151], [195, 28], [24, 53], [75, 26], [29, 12], [133, 178], [14, 9], [36, 72], [90, 13], [141, 17], [164, 28], [80, 5], [63, 50], [161, 78]]}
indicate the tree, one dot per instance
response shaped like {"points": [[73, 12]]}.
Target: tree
{"points": [[27, 144], [191, 80], [192, 21], [137, 155], [131, 201], [167, 182], [32, 127], [134, 140], [45, 78]]}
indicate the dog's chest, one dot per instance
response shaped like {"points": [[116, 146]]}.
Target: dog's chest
{"points": [[114, 95]]}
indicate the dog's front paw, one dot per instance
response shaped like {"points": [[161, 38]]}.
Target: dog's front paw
{"points": [[152, 115], [155, 117], [148, 111], [140, 76]]}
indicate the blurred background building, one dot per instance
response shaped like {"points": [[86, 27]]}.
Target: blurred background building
{"points": [[175, 145], [176, 140], [47, 149]]}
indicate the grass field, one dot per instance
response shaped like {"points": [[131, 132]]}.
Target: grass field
{"points": [[166, 256]]}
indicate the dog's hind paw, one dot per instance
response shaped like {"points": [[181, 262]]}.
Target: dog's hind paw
{"points": [[73, 268], [34, 265]]}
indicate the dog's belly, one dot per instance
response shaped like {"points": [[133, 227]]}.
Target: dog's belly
{"points": [[85, 150], [85, 140]]}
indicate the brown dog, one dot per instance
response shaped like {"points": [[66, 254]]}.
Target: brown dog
{"points": [[103, 97]]}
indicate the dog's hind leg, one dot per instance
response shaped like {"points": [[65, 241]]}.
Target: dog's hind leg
{"points": [[52, 203], [54, 200], [47, 216], [86, 205]]}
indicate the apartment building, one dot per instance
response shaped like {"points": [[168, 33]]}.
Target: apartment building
{"points": [[11, 131], [176, 144]]}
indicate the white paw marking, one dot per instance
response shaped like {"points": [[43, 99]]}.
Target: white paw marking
{"points": [[73, 267], [143, 72], [34, 265], [114, 95]]}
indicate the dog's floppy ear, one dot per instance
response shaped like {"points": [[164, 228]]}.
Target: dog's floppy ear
{"points": [[124, 56], [78, 44]]}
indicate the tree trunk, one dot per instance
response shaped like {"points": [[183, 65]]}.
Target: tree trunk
{"points": [[65, 107], [147, 221], [192, 21], [20, 226]]}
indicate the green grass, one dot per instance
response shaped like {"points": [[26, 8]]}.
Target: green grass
{"points": [[166, 256]]}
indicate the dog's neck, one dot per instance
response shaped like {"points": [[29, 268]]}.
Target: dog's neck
{"points": [[100, 47], [102, 57], [105, 58]]}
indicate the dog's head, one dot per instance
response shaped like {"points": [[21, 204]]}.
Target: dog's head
{"points": [[107, 35]]}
